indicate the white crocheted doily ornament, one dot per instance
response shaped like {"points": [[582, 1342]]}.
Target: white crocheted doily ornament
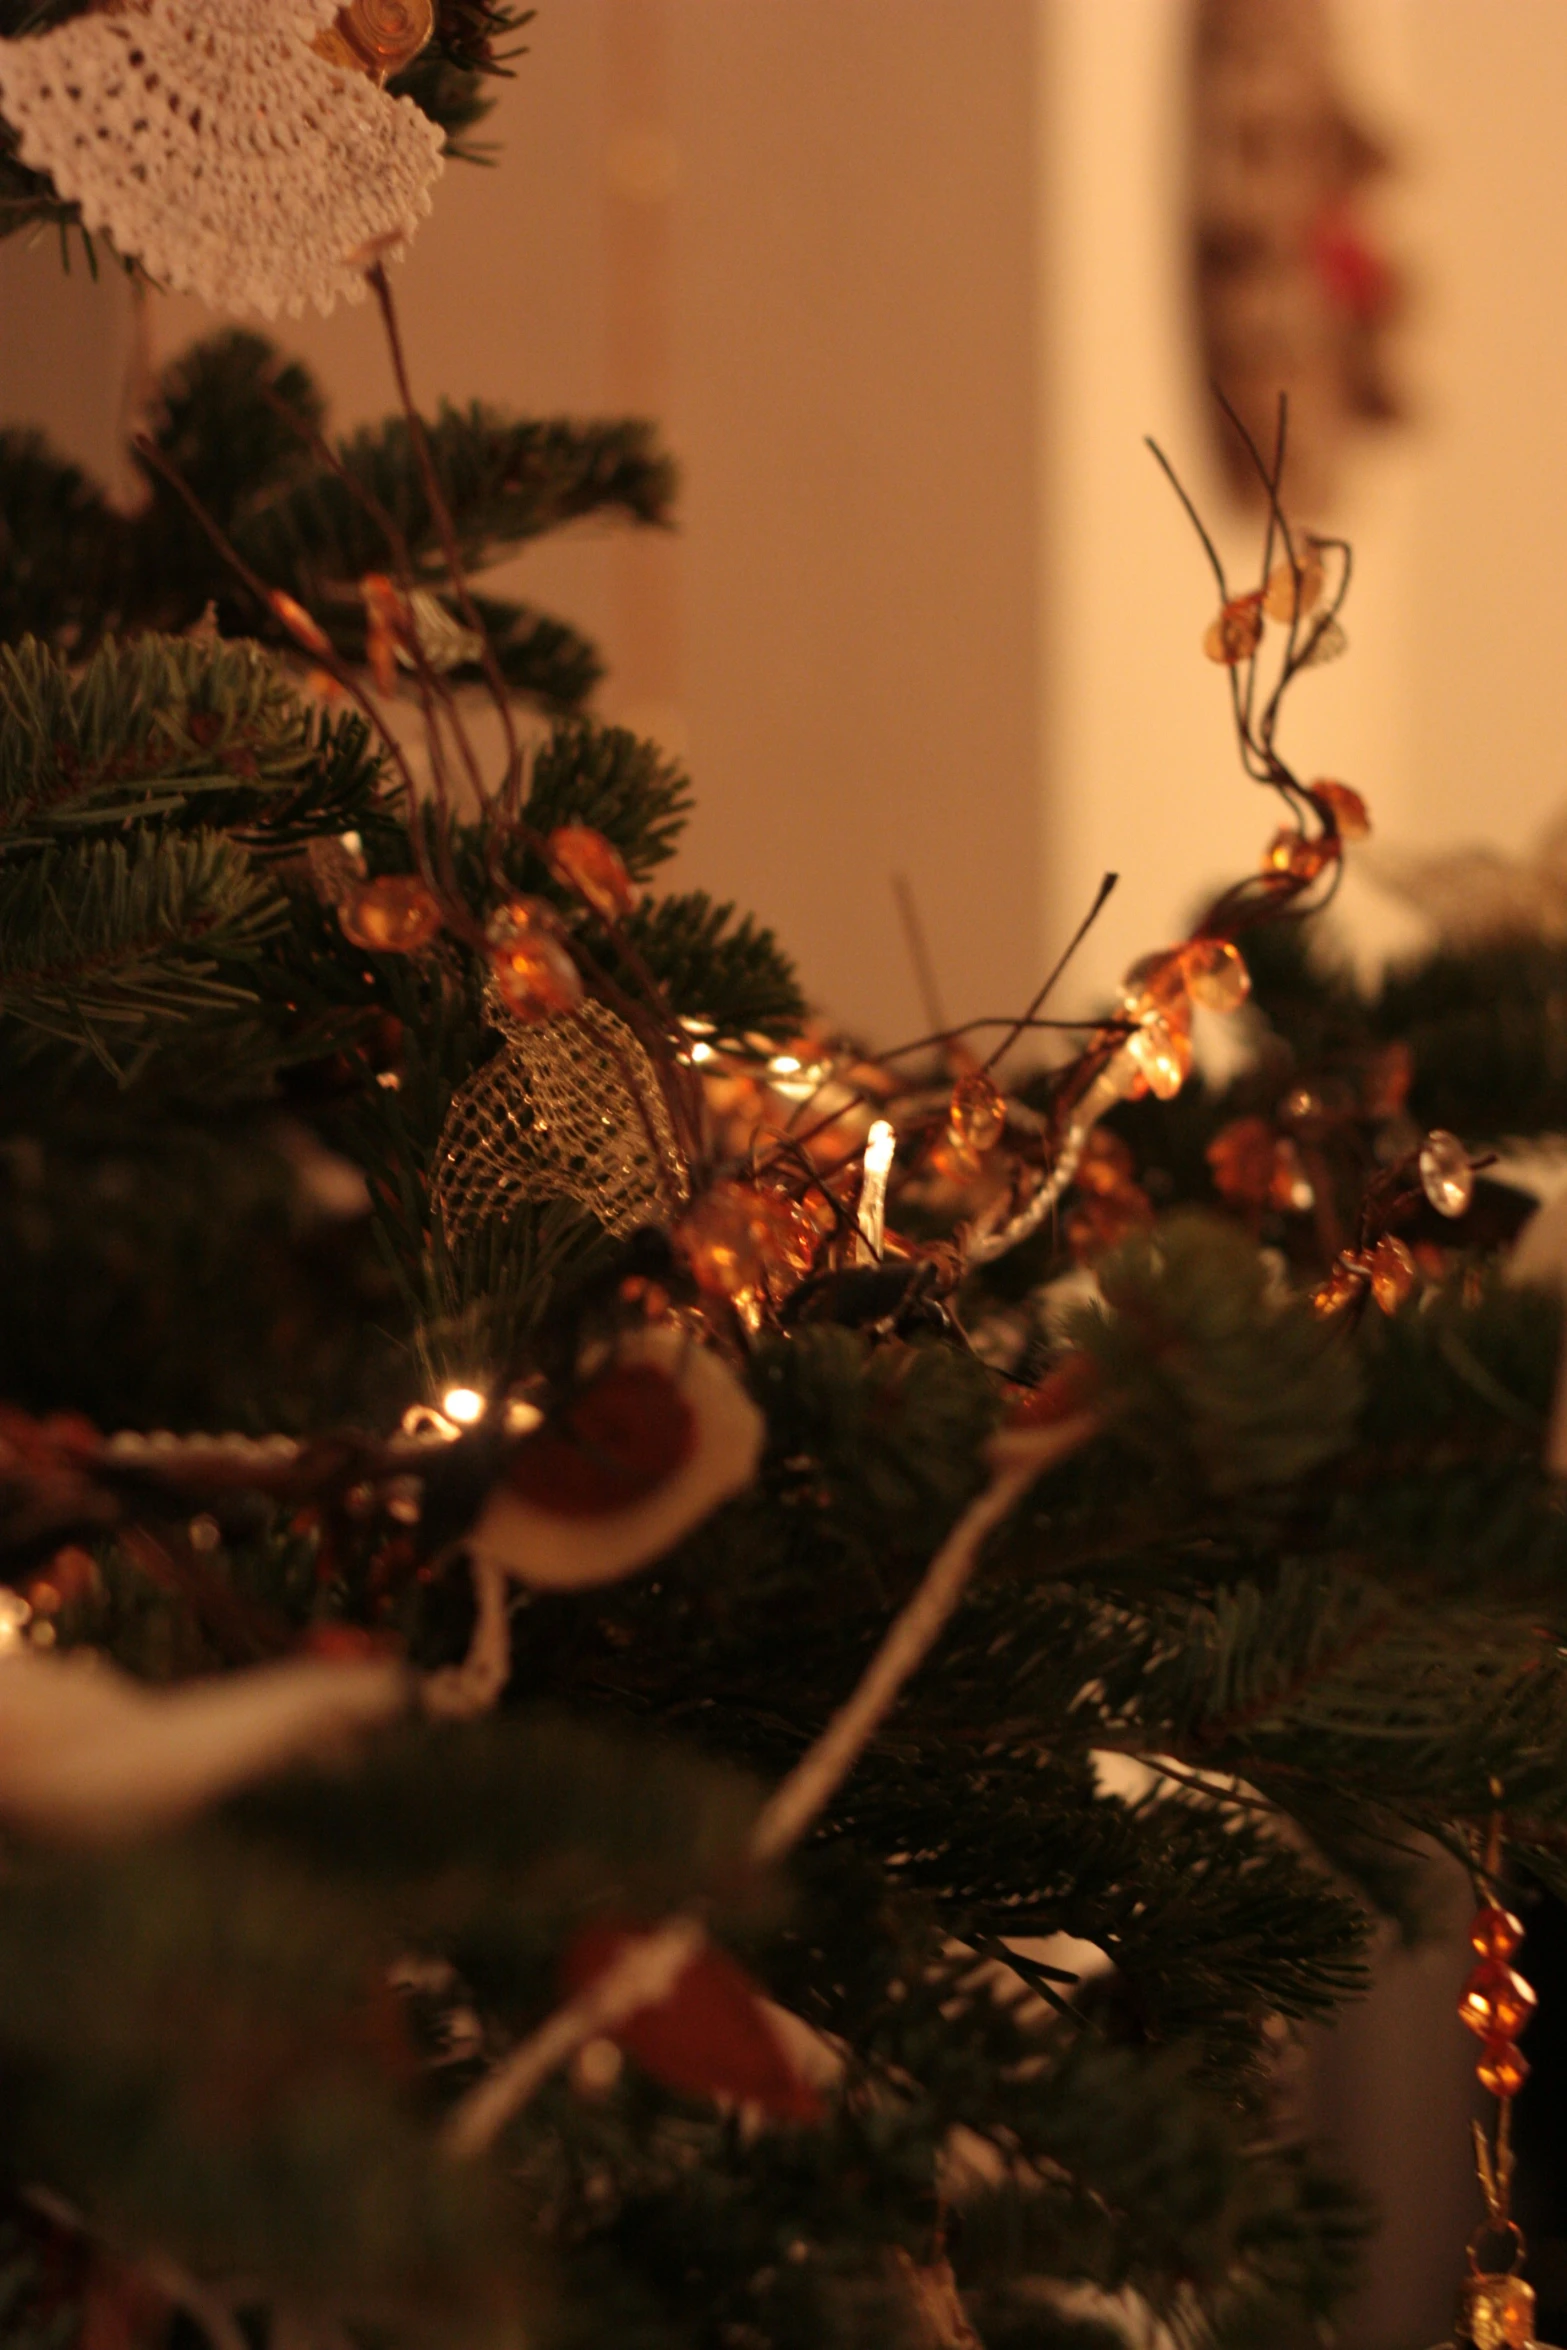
{"points": [[212, 144]]}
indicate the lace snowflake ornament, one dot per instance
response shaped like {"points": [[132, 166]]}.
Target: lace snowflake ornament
{"points": [[214, 145]]}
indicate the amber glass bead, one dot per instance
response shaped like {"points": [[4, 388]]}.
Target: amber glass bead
{"points": [[1350, 812], [1326, 642], [1302, 1107], [304, 631], [1387, 1079], [1291, 1190], [1294, 590], [1496, 2312], [534, 976], [592, 866], [1495, 1933], [1216, 974], [1106, 1166], [384, 598], [953, 1161], [387, 625], [1342, 1287], [381, 654], [976, 1113], [378, 36], [1446, 1177], [1236, 632], [1162, 1053], [72, 1574], [1242, 1157], [789, 1236], [1157, 983], [1102, 1220], [393, 915], [1496, 2002], [726, 1240], [1124, 1073], [1393, 1273], [1502, 2070], [1302, 859]]}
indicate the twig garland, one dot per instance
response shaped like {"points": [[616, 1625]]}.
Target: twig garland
{"points": [[648, 1969], [645, 1972]]}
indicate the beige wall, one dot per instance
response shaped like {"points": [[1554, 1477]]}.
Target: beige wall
{"points": [[904, 279], [802, 234]]}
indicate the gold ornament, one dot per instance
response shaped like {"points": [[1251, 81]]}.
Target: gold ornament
{"points": [[377, 37], [570, 1108]]}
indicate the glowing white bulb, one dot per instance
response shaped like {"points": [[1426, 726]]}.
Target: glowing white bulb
{"points": [[464, 1405], [701, 1052], [784, 1065], [880, 1145]]}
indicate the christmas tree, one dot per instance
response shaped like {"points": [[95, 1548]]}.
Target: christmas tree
{"points": [[668, 1680]]}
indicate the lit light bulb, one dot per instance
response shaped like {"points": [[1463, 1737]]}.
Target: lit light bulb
{"points": [[784, 1065], [880, 1144], [701, 1052], [464, 1405]]}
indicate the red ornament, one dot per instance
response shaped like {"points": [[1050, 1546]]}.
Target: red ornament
{"points": [[622, 1438], [1353, 275], [709, 2036]]}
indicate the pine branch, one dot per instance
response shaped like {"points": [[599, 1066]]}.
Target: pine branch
{"points": [[101, 941], [623, 786], [179, 732], [212, 2059], [1208, 1369], [234, 421], [711, 966]]}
